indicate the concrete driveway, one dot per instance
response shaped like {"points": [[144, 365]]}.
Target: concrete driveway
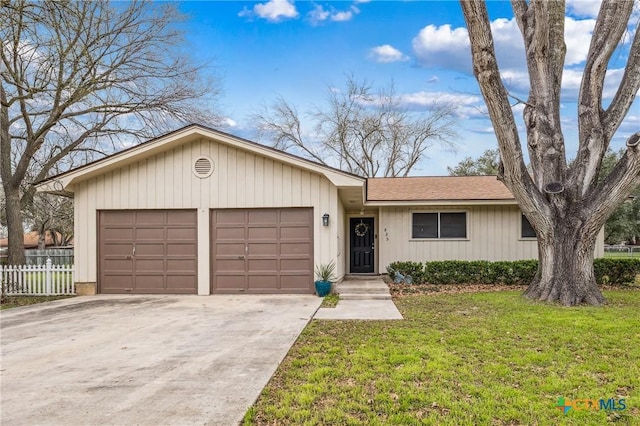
{"points": [[125, 360]]}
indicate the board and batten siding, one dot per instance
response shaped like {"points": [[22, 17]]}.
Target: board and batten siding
{"points": [[493, 233], [240, 179], [342, 255]]}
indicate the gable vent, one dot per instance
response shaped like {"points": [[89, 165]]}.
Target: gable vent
{"points": [[203, 167]]}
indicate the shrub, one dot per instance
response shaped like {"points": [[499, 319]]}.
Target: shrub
{"points": [[479, 272], [519, 272], [451, 272], [616, 271]]}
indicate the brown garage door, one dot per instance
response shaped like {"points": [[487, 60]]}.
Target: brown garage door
{"points": [[147, 252], [262, 250]]}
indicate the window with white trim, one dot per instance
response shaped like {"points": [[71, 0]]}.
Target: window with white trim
{"points": [[526, 230], [439, 225]]}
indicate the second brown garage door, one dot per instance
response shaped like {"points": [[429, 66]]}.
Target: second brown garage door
{"points": [[262, 250]]}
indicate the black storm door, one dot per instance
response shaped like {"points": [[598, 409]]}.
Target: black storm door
{"points": [[362, 237]]}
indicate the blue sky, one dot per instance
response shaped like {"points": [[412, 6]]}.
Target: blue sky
{"points": [[299, 49]]}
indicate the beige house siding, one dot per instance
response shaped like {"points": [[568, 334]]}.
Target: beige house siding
{"points": [[240, 179], [342, 255], [493, 233]]}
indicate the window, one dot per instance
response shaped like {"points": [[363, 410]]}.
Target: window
{"points": [[439, 225], [425, 225], [526, 230]]}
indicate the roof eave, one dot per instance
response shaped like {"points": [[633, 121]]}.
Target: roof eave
{"points": [[401, 203], [55, 187]]}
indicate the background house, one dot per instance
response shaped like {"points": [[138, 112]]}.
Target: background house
{"points": [[40, 247]]}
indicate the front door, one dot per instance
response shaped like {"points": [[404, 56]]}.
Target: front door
{"points": [[362, 237]]}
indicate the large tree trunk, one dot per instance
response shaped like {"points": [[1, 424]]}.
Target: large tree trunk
{"points": [[565, 268], [14, 226], [11, 190]]}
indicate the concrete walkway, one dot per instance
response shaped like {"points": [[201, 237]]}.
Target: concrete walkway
{"points": [[362, 299]]}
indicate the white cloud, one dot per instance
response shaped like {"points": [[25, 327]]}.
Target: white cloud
{"points": [[447, 47], [577, 37], [320, 14], [427, 99], [342, 16], [629, 125], [518, 108], [443, 47], [465, 105], [584, 8], [229, 122], [433, 79], [572, 79], [245, 13], [273, 10], [386, 54], [508, 41], [482, 130], [515, 80], [612, 82]]}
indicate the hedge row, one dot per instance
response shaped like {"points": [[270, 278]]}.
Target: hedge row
{"points": [[607, 271], [616, 271]]}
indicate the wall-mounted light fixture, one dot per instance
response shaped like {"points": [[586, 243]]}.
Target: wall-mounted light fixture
{"points": [[325, 219]]}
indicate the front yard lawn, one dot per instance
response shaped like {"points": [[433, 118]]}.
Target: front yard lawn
{"points": [[330, 300], [462, 359]]}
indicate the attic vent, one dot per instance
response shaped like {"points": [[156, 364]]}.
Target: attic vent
{"points": [[203, 167]]}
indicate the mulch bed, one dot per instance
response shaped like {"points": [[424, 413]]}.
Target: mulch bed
{"points": [[399, 290]]}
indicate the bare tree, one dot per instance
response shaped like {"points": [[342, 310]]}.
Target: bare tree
{"points": [[365, 133], [77, 77], [53, 214], [564, 202]]}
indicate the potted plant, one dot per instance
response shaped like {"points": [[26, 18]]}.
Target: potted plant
{"points": [[324, 276]]}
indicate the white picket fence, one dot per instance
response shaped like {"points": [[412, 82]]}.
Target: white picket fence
{"points": [[37, 280]]}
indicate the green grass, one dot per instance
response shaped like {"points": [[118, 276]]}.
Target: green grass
{"points": [[463, 359], [15, 301], [621, 255], [330, 301], [38, 276]]}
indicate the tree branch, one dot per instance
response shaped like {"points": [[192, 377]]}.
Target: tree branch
{"points": [[486, 70], [593, 139], [627, 90]]}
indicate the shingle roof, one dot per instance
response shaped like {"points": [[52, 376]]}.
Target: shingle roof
{"points": [[437, 188]]}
